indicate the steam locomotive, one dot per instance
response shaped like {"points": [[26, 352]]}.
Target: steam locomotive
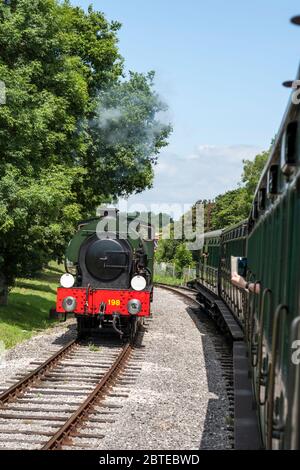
{"points": [[109, 272]]}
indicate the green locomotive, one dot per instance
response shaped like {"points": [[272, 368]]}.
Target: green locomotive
{"points": [[109, 273]]}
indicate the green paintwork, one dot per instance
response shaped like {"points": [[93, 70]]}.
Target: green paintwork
{"points": [[208, 260], [89, 229], [270, 239], [274, 256], [272, 247]]}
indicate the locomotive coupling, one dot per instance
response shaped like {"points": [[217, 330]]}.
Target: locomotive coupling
{"points": [[116, 319]]}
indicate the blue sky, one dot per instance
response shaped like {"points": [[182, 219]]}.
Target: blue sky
{"points": [[219, 65]]}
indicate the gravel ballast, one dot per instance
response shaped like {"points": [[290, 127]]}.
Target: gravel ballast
{"points": [[172, 395], [178, 399], [38, 348]]}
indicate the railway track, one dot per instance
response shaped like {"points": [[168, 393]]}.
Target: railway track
{"points": [[222, 346], [65, 400], [70, 400], [185, 292]]}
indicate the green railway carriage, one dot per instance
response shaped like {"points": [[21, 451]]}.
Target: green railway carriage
{"points": [[270, 319], [273, 260], [207, 268], [213, 264], [233, 243]]}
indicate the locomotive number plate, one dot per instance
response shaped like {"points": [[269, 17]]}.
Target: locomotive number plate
{"points": [[114, 302]]}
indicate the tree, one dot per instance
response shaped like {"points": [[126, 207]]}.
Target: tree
{"points": [[54, 59], [229, 208], [253, 169], [233, 206], [60, 153], [36, 216], [208, 206], [251, 174], [183, 258], [166, 250]]}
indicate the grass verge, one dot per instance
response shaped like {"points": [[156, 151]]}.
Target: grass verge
{"points": [[29, 302], [171, 281], [28, 307]]}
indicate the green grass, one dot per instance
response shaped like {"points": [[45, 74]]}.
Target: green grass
{"points": [[29, 303], [94, 348], [171, 281], [28, 307]]}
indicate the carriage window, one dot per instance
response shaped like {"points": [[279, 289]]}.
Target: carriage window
{"points": [[238, 265], [262, 198], [255, 210], [273, 179], [289, 148]]}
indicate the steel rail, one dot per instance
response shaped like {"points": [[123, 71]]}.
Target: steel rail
{"points": [[168, 286], [68, 430], [36, 375], [231, 369], [178, 290], [221, 349]]}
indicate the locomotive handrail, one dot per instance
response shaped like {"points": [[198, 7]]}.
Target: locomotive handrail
{"points": [[294, 392], [260, 347], [277, 317]]}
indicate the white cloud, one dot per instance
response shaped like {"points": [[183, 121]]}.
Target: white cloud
{"points": [[208, 171], [165, 168], [230, 153]]}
